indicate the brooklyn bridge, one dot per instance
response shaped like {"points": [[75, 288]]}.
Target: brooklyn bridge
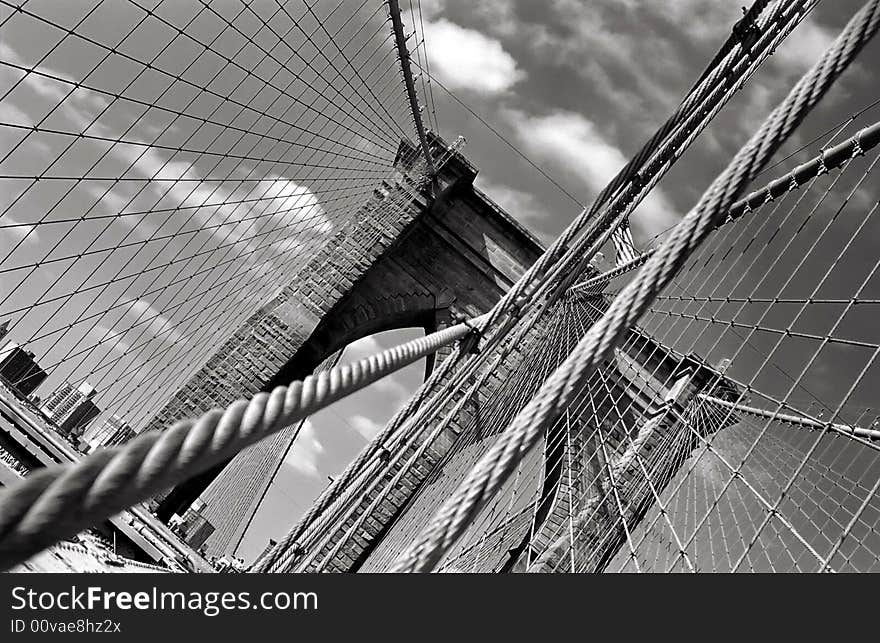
{"points": [[230, 228]]}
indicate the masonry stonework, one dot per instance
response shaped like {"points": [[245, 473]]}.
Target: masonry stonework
{"points": [[410, 257]]}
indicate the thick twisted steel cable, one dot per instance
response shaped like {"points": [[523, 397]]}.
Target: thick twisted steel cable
{"points": [[494, 468], [58, 502]]}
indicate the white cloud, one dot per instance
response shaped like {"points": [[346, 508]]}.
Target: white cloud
{"points": [[146, 315], [14, 231], [525, 208], [175, 181], [570, 140], [54, 91], [392, 389], [365, 426], [803, 47], [230, 215], [389, 387], [293, 204], [572, 143], [303, 456], [11, 114], [467, 59], [364, 347]]}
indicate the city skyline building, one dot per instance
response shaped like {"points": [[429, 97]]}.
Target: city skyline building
{"points": [[112, 431], [71, 407], [18, 368], [79, 419], [193, 526]]}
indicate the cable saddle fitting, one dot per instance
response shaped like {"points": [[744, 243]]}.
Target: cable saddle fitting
{"points": [[746, 31], [470, 343]]}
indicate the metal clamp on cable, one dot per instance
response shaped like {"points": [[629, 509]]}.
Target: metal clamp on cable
{"points": [[470, 343], [822, 169], [858, 150], [297, 550], [746, 31]]}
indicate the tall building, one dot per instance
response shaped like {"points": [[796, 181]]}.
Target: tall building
{"points": [[4, 329], [232, 499], [79, 419], [193, 527], [18, 369], [114, 430], [71, 408]]}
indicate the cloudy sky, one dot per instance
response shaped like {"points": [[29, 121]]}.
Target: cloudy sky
{"points": [[133, 295], [579, 86]]}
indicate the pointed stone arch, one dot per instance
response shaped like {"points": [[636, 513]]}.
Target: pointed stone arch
{"points": [[408, 258]]}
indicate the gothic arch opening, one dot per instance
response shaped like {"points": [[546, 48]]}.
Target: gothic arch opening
{"points": [[358, 320]]}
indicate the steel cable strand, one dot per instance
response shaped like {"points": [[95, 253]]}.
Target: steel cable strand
{"points": [[493, 469], [58, 502]]}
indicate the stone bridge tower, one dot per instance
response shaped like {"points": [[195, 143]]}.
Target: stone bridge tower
{"points": [[409, 258]]}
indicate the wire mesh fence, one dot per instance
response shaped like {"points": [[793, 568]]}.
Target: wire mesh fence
{"points": [[166, 167], [731, 431]]}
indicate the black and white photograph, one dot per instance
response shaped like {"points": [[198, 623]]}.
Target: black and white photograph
{"points": [[388, 287]]}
